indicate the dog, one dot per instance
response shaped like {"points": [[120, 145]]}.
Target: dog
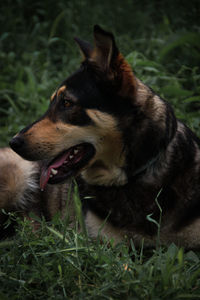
{"points": [[136, 165]]}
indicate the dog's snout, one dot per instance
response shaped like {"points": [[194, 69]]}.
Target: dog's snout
{"points": [[17, 143]]}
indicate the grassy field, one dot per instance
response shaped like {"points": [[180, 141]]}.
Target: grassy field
{"points": [[161, 40]]}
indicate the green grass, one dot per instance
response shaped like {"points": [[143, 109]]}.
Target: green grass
{"points": [[162, 43], [58, 262]]}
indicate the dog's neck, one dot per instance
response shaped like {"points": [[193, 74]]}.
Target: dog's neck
{"points": [[103, 175], [99, 174]]}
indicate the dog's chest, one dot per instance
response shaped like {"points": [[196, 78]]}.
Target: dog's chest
{"points": [[121, 206]]}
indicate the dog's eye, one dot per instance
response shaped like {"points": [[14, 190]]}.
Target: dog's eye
{"points": [[67, 103]]}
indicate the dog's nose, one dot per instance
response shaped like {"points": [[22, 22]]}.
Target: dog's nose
{"points": [[16, 143]]}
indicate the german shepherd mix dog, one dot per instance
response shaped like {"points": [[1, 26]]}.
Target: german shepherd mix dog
{"points": [[125, 147]]}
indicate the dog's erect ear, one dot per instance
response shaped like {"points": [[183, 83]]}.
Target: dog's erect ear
{"points": [[106, 56], [105, 50], [85, 47]]}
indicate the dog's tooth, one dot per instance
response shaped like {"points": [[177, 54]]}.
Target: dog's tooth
{"points": [[54, 172], [76, 151], [66, 161], [71, 156], [51, 175]]}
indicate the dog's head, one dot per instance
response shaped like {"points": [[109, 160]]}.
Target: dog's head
{"points": [[82, 128]]}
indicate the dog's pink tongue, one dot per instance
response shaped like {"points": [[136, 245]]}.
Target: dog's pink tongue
{"points": [[44, 177], [46, 171]]}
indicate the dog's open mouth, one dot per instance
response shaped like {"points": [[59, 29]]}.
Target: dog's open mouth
{"points": [[66, 164]]}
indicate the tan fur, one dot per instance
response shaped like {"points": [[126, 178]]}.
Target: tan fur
{"points": [[129, 83], [57, 199], [61, 90], [47, 137], [187, 237], [50, 139], [16, 176], [52, 96], [109, 152], [97, 227], [151, 104]]}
